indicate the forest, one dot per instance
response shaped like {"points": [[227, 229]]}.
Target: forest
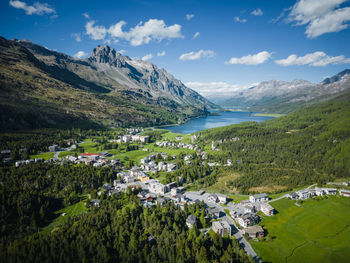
{"points": [[305, 147]]}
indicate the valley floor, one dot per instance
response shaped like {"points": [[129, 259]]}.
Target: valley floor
{"points": [[318, 231]]}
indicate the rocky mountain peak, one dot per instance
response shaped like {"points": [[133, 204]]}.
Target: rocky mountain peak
{"points": [[107, 54]]}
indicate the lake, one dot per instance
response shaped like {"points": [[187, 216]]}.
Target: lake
{"points": [[224, 119]]}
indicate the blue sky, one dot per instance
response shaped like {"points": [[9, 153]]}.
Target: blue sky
{"points": [[238, 42]]}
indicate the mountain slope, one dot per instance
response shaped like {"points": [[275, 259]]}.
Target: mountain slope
{"points": [[282, 97], [41, 88], [301, 148]]}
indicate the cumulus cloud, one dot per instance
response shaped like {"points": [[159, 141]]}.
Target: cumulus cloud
{"points": [[147, 57], [240, 20], [189, 16], [161, 54], [216, 89], [321, 16], [142, 33], [122, 51], [35, 9], [76, 36], [80, 54], [257, 12], [95, 32], [255, 59], [316, 59], [196, 35], [197, 55]]}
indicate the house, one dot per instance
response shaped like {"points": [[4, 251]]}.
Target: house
{"points": [[319, 191], [258, 198], [254, 231], [303, 194], [53, 148], [214, 212], [248, 219], [160, 200], [221, 227], [212, 198], [113, 192], [191, 221], [249, 208], [174, 191], [104, 154], [171, 167], [107, 187], [129, 179], [156, 187], [344, 192], [95, 202], [267, 209], [222, 198], [293, 196], [330, 191]]}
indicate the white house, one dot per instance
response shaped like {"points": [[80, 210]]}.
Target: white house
{"points": [[303, 194], [267, 209], [221, 227], [212, 198], [258, 198], [344, 192], [222, 198]]}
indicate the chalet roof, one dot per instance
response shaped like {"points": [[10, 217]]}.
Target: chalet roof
{"points": [[252, 230], [263, 195]]}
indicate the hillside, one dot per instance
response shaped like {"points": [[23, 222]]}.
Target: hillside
{"points": [[308, 146], [43, 88], [276, 96]]}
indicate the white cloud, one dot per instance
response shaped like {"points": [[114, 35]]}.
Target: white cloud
{"points": [[35, 9], [86, 15], [255, 59], [216, 89], [196, 35], [197, 55], [321, 16], [76, 36], [257, 12], [80, 54], [122, 51], [161, 54], [189, 16], [240, 20], [147, 57], [316, 59], [142, 33], [95, 32]]}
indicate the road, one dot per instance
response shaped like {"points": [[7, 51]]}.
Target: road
{"points": [[285, 196]]}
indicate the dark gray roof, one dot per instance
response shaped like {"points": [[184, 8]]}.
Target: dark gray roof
{"points": [[191, 219]]}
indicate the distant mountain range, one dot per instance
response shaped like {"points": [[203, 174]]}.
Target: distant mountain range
{"points": [[40, 87], [276, 96]]}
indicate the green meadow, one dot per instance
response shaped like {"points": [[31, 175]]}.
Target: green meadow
{"points": [[318, 231]]}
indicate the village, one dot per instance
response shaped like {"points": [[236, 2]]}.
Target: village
{"points": [[227, 218]]}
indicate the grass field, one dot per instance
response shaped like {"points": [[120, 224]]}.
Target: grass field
{"points": [[72, 210], [319, 231], [45, 156]]}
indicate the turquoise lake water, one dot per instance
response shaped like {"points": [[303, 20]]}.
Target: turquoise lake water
{"points": [[224, 119]]}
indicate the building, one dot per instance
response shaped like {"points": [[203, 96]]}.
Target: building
{"points": [[319, 191], [95, 202], [221, 227], [249, 208], [330, 191], [171, 167], [267, 209], [222, 198], [53, 148], [156, 187], [214, 212], [258, 198], [191, 221], [293, 196], [303, 194], [212, 198], [248, 219], [254, 231], [344, 192]]}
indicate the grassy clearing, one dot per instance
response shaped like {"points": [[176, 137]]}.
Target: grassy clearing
{"points": [[319, 231], [72, 210], [222, 183], [268, 189], [45, 156]]}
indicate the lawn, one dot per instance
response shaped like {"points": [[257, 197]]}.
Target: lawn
{"points": [[45, 156], [319, 231], [72, 210]]}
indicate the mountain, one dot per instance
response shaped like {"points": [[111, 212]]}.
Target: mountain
{"points": [[40, 88], [276, 96]]}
